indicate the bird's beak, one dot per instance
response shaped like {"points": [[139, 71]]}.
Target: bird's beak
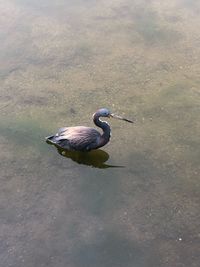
{"points": [[120, 118]]}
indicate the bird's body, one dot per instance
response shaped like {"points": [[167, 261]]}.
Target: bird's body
{"points": [[77, 138], [82, 138]]}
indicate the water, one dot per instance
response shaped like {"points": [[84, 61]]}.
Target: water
{"points": [[136, 201]]}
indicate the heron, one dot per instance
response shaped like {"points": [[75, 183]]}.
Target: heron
{"points": [[82, 138]]}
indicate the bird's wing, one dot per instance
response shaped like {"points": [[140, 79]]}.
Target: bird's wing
{"points": [[79, 137]]}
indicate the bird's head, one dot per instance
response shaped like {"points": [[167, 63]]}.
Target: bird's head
{"points": [[104, 112]]}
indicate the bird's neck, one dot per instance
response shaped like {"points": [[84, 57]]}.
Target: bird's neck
{"points": [[105, 137]]}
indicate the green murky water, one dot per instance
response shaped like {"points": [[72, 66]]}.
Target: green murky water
{"points": [[136, 202]]}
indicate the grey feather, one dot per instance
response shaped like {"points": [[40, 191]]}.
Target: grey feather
{"points": [[77, 138]]}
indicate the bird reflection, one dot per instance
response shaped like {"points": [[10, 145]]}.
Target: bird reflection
{"points": [[95, 158]]}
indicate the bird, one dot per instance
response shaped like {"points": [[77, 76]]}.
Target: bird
{"points": [[82, 138]]}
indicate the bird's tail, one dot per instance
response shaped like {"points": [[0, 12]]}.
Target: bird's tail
{"points": [[50, 139]]}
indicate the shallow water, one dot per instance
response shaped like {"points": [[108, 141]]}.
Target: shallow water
{"points": [[136, 201]]}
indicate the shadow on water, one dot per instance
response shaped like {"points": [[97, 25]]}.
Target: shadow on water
{"points": [[94, 158]]}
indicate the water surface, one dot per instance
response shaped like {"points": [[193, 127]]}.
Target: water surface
{"points": [[136, 203]]}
